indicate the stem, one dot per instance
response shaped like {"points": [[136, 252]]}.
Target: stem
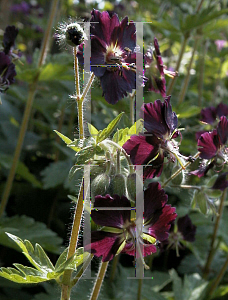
{"points": [[99, 280], [66, 281], [28, 107], [179, 170], [81, 271], [183, 46], [87, 86], [80, 119], [184, 186], [139, 289], [76, 73], [217, 279], [211, 254], [114, 266], [187, 78], [132, 108]]}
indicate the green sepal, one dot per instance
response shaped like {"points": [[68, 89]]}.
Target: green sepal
{"points": [[112, 229], [148, 238], [105, 133], [122, 135], [67, 141]]}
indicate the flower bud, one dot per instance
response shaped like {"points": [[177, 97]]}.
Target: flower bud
{"points": [[133, 180], [74, 34], [118, 185], [100, 185]]}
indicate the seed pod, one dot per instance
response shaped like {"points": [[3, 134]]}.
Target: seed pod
{"points": [[100, 185], [134, 180], [118, 185]]}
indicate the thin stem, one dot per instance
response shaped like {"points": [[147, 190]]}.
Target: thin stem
{"points": [[113, 268], [183, 46], [99, 280], [89, 84], [179, 170], [217, 280], [81, 271], [187, 78], [211, 253], [199, 6], [66, 281], [132, 108], [76, 73], [80, 119], [28, 107], [140, 284], [184, 186]]}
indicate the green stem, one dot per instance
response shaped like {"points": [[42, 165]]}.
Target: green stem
{"points": [[89, 84], [184, 186], [28, 107], [140, 284], [114, 266], [76, 73], [217, 280], [99, 280], [66, 281], [187, 78], [179, 170], [80, 119], [183, 46], [211, 253], [132, 108], [81, 271]]}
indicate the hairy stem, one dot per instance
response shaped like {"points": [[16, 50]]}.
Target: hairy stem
{"points": [[66, 281], [179, 170], [211, 253], [132, 108], [99, 280], [88, 86], [76, 73], [28, 108]]}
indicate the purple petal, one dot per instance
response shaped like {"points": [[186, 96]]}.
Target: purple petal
{"points": [[115, 85], [104, 26], [208, 115], [208, 144], [187, 229], [111, 218], [222, 130], [154, 118], [157, 84], [203, 169], [148, 249], [104, 244], [170, 116], [221, 182], [222, 110], [160, 227], [10, 73], [9, 37]]}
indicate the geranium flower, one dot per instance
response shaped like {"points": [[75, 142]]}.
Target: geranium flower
{"points": [[7, 72], [209, 114], [120, 232], [155, 70], [180, 232], [212, 148], [113, 54], [9, 37], [150, 148]]}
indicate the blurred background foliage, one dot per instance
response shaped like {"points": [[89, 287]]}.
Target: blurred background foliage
{"points": [[39, 208]]}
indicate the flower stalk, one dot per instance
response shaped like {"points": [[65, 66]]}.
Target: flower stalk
{"points": [[211, 253], [99, 280]]}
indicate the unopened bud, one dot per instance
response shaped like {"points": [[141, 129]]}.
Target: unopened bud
{"points": [[74, 34], [100, 185], [134, 185], [118, 185]]}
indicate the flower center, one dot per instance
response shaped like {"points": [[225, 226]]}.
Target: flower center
{"points": [[113, 55]]}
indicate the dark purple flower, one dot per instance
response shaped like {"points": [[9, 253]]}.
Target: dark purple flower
{"points": [[209, 114], [113, 54], [221, 182], [182, 231], [150, 149], [120, 232], [155, 70], [7, 71], [9, 37], [212, 148]]}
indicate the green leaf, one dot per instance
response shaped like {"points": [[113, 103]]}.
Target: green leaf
{"points": [[53, 72], [177, 285], [67, 141], [122, 135], [92, 130], [105, 133], [26, 227], [21, 170], [188, 112], [220, 292]]}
